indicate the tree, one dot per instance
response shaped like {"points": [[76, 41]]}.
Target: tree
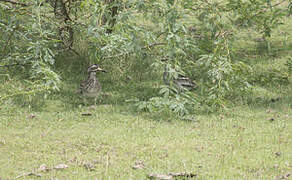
{"points": [[193, 36]]}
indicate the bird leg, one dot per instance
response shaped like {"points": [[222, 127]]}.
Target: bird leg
{"points": [[95, 101]]}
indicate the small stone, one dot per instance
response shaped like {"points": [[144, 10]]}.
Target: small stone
{"points": [[61, 166], [43, 168]]}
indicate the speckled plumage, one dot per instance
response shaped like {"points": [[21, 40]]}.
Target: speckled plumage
{"points": [[91, 86], [182, 82]]}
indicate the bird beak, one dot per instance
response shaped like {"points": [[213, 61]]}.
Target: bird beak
{"points": [[102, 70]]}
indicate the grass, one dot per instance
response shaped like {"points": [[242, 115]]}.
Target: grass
{"points": [[250, 140], [243, 142]]}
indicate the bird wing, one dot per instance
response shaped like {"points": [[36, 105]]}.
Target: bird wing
{"points": [[89, 84], [84, 85], [184, 81]]}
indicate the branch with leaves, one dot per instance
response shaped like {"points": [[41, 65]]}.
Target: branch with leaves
{"points": [[127, 53], [14, 2], [14, 64]]}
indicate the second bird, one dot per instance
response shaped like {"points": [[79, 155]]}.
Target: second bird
{"points": [[181, 81]]}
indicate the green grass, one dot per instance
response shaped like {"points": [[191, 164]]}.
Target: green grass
{"points": [[237, 143], [251, 139]]}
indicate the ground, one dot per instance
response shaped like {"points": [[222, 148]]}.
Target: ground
{"points": [[63, 138], [239, 143]]}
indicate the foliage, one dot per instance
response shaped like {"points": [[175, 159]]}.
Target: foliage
{"points": [[169, 101], [132, 37], [28, 45], [263, 15]]}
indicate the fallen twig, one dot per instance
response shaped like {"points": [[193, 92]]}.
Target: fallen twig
{"points": [[28, 174]]}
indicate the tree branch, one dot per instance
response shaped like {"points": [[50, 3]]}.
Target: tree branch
{"points": [[279, 3], [113, 14], [14, 64], [127, 53]]}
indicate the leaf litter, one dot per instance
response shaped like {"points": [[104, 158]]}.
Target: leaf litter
{"points": [[138, 165], [171, 176], [43, 168], [28, 174], [60, 166], [89, 166]]}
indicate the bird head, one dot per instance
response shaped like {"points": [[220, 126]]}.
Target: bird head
{"points": [[95, 68]]}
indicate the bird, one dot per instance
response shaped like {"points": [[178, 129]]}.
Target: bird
{"points": [[91, 87], [181, 81]]}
